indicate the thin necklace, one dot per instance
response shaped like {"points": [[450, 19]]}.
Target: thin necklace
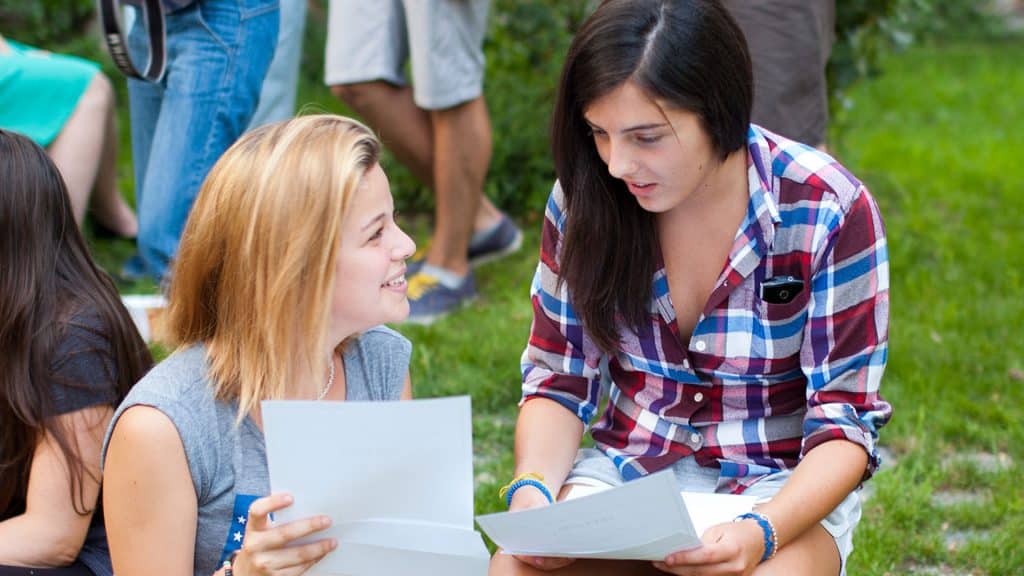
{"points": [[330, 381]]}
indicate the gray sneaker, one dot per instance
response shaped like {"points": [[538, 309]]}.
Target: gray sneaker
{"points": [[502, 240], [430, 300]]}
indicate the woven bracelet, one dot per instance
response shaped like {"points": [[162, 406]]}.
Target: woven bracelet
{"points": [[528, 479], [771, 538]]}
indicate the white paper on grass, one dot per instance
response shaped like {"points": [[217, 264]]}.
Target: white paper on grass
{"points": [[645, 519], [396, 479]]}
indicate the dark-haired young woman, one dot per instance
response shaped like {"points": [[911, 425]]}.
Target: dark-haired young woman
{"points": [[68, 354], [735, 285]]}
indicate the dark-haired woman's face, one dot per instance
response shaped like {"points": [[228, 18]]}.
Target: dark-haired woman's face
{"points": [[664, 155]]}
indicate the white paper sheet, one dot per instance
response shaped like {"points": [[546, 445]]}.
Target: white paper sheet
{"points": [[705, 509], [645, 519], [396, 479]]}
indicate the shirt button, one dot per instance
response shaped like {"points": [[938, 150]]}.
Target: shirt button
{"points": [[698, 397], [695, 438], [701, 345]]}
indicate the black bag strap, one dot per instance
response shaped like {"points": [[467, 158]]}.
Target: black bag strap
{"points": [[152, 13]]}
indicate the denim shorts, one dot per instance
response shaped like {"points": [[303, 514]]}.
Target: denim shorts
{"points": [[593, 468], [443, 40]]}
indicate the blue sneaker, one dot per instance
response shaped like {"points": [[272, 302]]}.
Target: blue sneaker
{"points": [[501, 240], [430, 300]]}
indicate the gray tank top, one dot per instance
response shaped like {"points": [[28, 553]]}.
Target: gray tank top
{"points": [[228, 464]]}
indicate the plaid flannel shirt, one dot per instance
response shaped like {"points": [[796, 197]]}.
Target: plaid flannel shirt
{"points": [[759, 384]]}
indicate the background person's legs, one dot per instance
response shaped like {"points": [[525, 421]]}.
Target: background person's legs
{"points": [[790, 42], [462, 155], [211, 91], [85, 152], [277, 96], [439, 129], [404, 128], [408, 132]]}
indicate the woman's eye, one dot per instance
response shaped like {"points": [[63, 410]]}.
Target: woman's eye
{"points": [[377, 235], [647, 139]]}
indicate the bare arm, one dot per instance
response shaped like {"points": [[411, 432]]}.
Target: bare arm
{"points": [[149, 502], [50, 532], [406, 389], [822, 479], [547, 438]]}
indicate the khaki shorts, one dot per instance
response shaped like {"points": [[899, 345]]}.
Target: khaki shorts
{"points": [[593, 468], [442, 39]]}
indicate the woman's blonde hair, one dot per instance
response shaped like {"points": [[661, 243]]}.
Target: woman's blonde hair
{"points": [[255, 267]]}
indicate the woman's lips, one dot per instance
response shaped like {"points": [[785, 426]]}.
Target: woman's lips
{"points": [[640, 188]]}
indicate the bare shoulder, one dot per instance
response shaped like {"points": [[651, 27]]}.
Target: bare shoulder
{"points": [[143, 422], [144, 433]]}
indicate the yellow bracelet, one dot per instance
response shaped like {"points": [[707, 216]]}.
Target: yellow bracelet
{"points": [[526, 479]]}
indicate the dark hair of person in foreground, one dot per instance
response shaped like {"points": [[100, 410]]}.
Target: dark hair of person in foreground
{"points": [[49, 287]]}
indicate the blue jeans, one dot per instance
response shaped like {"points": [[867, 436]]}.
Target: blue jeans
{"points": [[277, 99], [218, 52]]}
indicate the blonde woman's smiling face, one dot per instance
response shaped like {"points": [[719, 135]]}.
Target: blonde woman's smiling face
{"points": [[663, 154], [369, 278]]}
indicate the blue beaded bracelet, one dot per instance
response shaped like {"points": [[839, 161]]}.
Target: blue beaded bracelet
{"points": [[526, 482], [771, 538]]}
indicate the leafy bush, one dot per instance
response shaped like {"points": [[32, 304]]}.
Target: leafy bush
{"points": [[45, 22]]}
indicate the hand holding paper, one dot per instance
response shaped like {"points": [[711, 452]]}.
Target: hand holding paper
{"points": [[645, 519], [400, 498], [267, 544]]}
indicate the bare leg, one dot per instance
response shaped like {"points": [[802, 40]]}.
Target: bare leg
{"points": [[77, 149], [401, 125], [503, 564], [462, 154], [813, 552], [408, 131], [85, 152], [108, 205]]}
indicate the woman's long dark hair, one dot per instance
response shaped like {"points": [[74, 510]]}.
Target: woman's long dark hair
{"points": [[689, 54], [47, 278]]}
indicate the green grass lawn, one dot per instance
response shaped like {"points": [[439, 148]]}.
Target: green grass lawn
{"points": [[938, 139]]}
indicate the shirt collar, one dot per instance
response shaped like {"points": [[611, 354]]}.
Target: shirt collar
{"points": [[764, 201]]}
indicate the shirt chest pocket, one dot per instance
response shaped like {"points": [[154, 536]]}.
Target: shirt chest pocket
{"points": [[765, 341], [781, 328]]}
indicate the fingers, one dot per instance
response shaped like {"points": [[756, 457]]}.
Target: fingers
{"points": [[281, 536], [545, 563], [267, 547], [720, 554], [261, 508], [301, 557]]}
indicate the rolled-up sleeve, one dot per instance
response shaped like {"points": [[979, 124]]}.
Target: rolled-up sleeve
{"points": [[560, 362], [845, 344]]}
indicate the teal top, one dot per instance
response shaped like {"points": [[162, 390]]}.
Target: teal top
{"points": [[39, 90]]}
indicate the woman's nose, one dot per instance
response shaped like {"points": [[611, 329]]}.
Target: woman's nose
{"points": [[620, 163], [405, 247]]}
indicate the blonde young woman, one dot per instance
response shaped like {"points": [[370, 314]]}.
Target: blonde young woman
{"points": [[289, 262]]}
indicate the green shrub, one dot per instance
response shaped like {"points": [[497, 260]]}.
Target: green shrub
{"points": [[45, 22]]}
